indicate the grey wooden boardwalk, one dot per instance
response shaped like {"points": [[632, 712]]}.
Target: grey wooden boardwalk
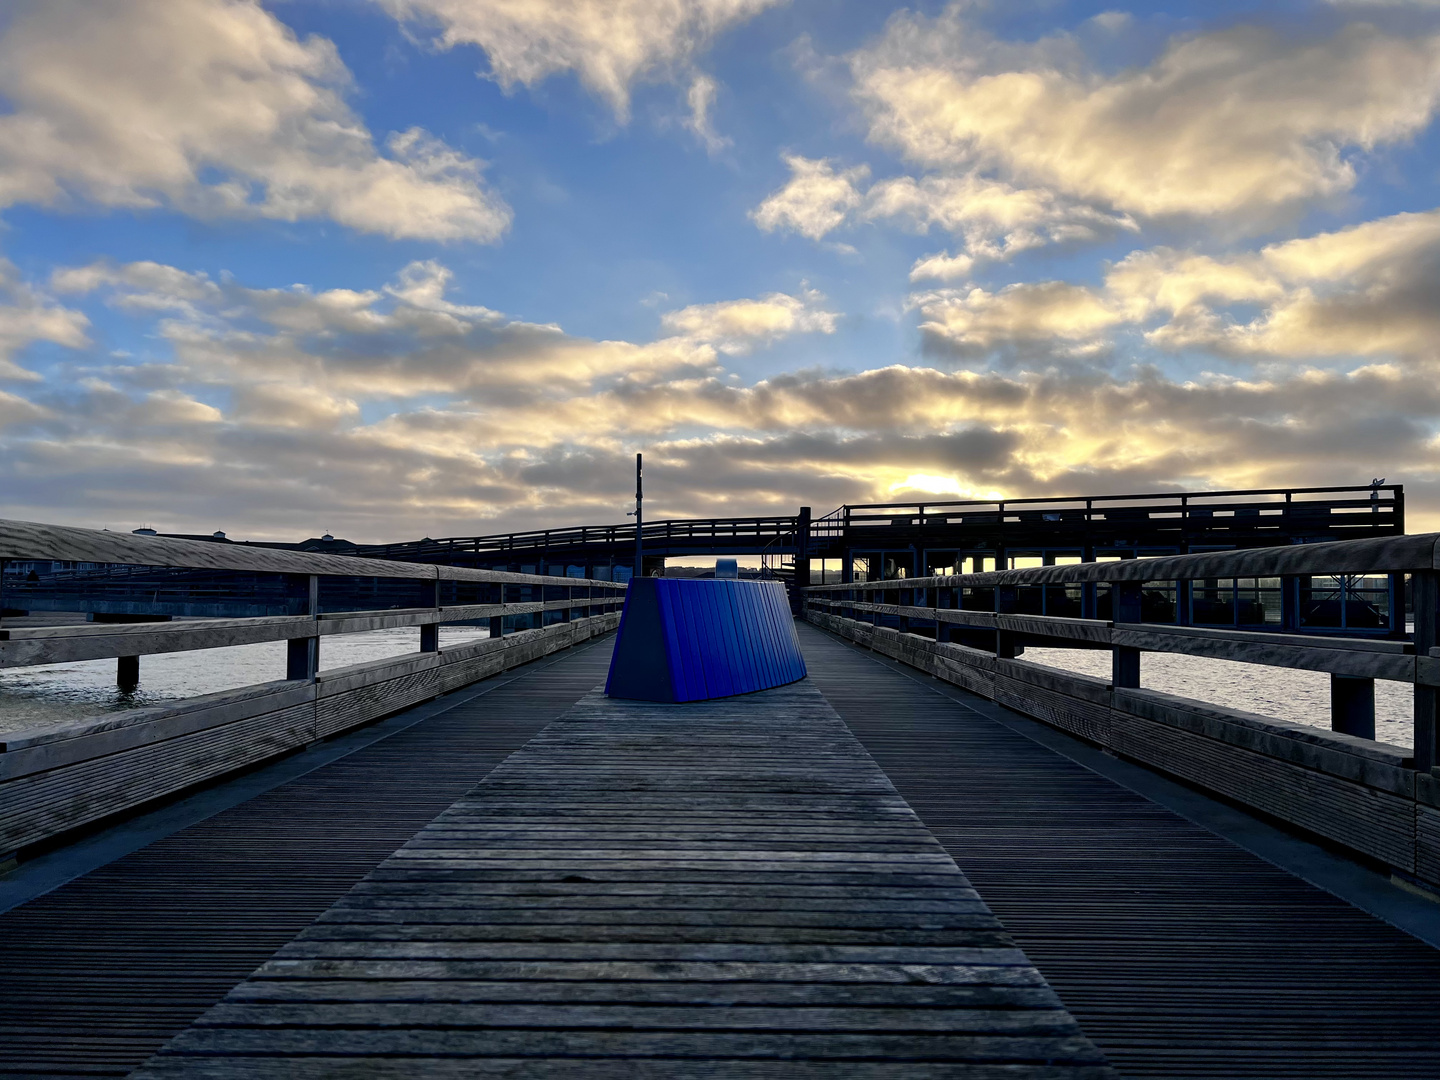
{"points": [[729, 889]]}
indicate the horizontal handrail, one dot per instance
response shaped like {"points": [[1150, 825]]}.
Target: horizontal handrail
{"points": [[1173, 496], [1381, 555], [32, 540], [1362, 658], [27, 646]]}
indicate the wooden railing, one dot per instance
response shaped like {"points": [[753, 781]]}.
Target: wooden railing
{"points": [[57, 777], [1380, 800]]}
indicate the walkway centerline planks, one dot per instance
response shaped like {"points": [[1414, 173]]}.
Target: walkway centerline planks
{"points": [[690, 639], [732, 888]]}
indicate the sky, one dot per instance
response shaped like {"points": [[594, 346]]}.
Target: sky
{"points": [[403, 268]]}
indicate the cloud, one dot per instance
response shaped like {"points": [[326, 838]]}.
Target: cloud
{"points": [[994, 219], [27, 316], [737, 326], [1052, 315], [1242, 124], [609, 44], [396, 410], [1368, 291], [701, 100], [816, 199], [318, 355], [214, 108]]}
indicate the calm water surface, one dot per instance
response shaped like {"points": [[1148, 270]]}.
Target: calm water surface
{"points": [[58, 693]]}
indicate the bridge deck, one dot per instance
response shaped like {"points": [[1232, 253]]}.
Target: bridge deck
{"points": [[1180, 954], [97, 974], [728, 887]]}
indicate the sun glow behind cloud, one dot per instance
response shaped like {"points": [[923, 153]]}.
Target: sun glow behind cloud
{"points": [[939, 485]]}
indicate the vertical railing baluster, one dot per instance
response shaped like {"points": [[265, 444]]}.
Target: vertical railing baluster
{"points": [[1007, 599], [1425, 586], [302, 655], [1125, 607], [430, 632]]}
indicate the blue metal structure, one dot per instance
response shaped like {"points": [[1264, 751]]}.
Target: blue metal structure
{"points": [[688, 639]]}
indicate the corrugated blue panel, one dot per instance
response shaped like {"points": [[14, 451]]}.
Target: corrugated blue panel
{"points": [[687, 639]]}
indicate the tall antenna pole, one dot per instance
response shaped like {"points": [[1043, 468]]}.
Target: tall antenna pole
{"points": [[639, 520]]}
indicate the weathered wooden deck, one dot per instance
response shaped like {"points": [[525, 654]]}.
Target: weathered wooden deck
{"points": [[734, 889], [730, 887]]}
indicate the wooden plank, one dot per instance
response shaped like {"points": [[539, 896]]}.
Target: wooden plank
{"points": [[1296, 652], [1363, 761], [1376, 823], [42, 751], [737, 874], [1057, 626], [590, 1068], [338, 711], [40, 805], [67, 644], [1086, 718]]}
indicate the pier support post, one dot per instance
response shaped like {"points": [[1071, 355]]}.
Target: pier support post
{"points": [[127, 673], [430, 632], [1425, 585], [497, 622], [1006, 600], [802, 555], [302, 655], [1125, 608], [1352, 706]]}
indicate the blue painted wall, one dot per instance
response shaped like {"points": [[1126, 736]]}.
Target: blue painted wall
{"points": [[687, 639]]}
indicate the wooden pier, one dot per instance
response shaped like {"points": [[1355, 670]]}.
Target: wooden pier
{"points": [[879, 871]]}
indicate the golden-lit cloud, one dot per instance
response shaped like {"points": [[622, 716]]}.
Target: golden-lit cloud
{"points": [[1365, 291], [737, 326], [1243, 123], [214, 108], [609, 44], [817, 198]]}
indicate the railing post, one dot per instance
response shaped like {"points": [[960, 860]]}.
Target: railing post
{"points": [[1290, 603], [1007, 599], [127, 673], [1125, 608], [430, 632], [1352, 706], [1425, 585], [497, 622], [302, 655]]}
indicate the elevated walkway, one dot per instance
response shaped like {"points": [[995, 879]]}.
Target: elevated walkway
{"points": [[751, 840]]}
